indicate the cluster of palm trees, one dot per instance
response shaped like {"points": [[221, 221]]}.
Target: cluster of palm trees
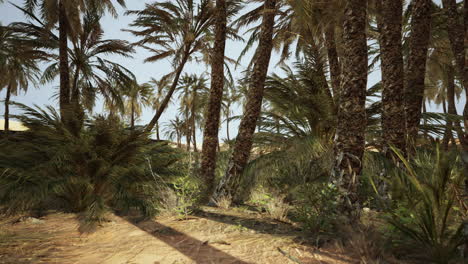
{"points": [[336, 44]]}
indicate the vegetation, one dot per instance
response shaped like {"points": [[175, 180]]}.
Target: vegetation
{"points": [[321, 144]]}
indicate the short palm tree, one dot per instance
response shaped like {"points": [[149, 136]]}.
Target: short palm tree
{"points": [[67, 14], [93, 73], [193, 90], [161, 88], [137, 97], [174, 130], [19, 64]]}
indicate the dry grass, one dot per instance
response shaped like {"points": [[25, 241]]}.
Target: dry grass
{"points": [[213, 235]]}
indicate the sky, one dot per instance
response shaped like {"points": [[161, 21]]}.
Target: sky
{"points": [[45, 94]]}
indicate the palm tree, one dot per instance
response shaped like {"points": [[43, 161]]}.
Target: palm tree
{"points": [[137, 97], [19, 61], [458, 38], [391, 55], [93, 73], [179, 30], [213, 111], [416, 65], [161, 86], [192, 89], [174, 130], [229, 184], [350, 133], [67, 14], [231, 96]]}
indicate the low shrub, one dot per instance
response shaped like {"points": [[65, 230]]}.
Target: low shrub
{"points": [[101, 168]]}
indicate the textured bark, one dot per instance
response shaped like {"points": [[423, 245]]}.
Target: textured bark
{"points": [[333, 61], [173, 87], [213, 111], [349, 138], [390, 27], [64, 94], [7, 109], [457, 33], [416, 68], [241, 154]]}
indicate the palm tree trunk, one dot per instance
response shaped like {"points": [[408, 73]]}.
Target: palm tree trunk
{"points": [[7, 109], [230, 182], [333, 62], [194, 139], [213, 112], [390, 26], [77, 112], [64, 96], [349, 139], [188, 132], [416, 69], [132, 116], [457, 33], [158, 137], [173, 87]]}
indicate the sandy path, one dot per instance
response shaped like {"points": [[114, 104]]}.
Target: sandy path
{"points": [[213, 236]]}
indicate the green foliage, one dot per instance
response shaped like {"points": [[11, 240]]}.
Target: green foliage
{"points": [[423, 210], [104, 168], [285, 163], [272, 202], [187, 190], [316, 207]]}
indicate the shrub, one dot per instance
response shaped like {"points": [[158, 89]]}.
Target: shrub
{"points": [[317, 207], [102, 167], [425, 213]]}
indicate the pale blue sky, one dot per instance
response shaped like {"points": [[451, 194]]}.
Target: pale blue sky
{"points": [[143, 71]]}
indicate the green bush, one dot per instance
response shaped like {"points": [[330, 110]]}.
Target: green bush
{"points": [[424, 211], [316, 207], [100, 168]]}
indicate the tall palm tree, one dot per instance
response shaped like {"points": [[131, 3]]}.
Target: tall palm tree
{"points": [[213, 110], [391, 55], [350, 133], [139, 96], [179, 30], [458, 36], [19, 64], [416, 65], [243, 145], [67, 14]]}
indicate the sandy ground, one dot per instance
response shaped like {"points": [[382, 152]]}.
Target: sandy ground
{"points": [[211, 236]]}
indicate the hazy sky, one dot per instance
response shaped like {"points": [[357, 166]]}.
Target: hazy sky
{"points": [[44, 95]]}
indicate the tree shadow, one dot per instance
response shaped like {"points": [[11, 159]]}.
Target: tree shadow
{"points": [[272, 227], [198, 251]]}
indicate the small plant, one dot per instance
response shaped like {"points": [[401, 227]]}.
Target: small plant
{"points": [[426, 215], [273, 204], [223, 202], [187, 190], [317, 207]]}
